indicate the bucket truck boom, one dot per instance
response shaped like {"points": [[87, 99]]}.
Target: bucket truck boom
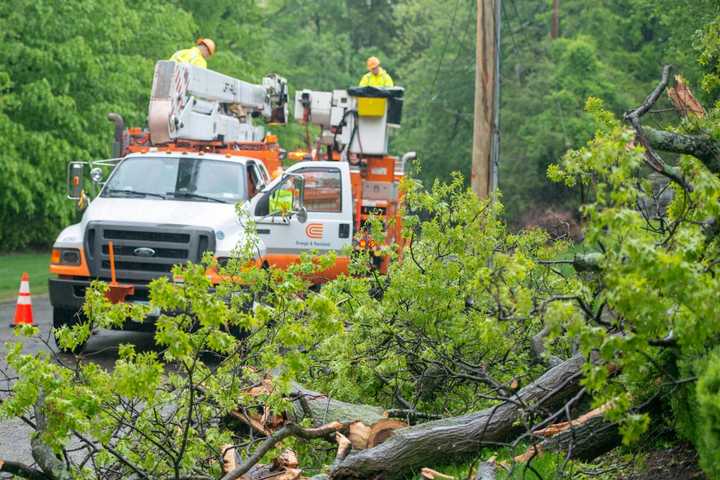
{"points": [[197, 104]]}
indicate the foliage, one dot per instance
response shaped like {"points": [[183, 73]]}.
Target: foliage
{"points": [[708, 400], [453, 320], [608, 49], [164, 412], [656, 321], [452, 325], [709, 46], [65, 65]]}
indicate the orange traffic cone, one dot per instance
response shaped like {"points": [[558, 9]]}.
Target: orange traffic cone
{"points": [[23, 309]]}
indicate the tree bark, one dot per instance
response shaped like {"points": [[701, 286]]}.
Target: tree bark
{"points": [[46, 459], [586, 441], [440, 440], [322, 409], [22, 471], [703, 147]]}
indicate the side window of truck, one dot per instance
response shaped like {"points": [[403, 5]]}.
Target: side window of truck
{"points": [[253, 180], [323, 190]]}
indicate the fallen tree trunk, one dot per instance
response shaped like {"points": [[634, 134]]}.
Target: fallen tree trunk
{"points": [[321, 409], [440, 440]]}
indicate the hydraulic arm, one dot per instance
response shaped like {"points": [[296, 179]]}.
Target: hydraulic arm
{"points": [[197, 104]]}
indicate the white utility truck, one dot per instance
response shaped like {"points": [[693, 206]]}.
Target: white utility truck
{"points": [[172, 193]]}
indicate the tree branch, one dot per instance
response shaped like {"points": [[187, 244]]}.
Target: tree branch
{"points": [[291, 429], [52, 466], [703, 147], [22, 470], [652, 159]]}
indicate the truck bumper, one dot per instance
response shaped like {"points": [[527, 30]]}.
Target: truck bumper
{"points": [[69, 294]]}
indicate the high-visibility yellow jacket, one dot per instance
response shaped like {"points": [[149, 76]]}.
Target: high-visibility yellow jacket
{"points": [[382, 80], [193, 56], [281, 201]]}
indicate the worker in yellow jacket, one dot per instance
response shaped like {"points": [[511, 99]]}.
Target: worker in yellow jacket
{"points": [[281, 202], [376, 76], [204, 48]]}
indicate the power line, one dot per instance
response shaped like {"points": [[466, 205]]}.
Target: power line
{"points": [[445, 45], [544, 51]]}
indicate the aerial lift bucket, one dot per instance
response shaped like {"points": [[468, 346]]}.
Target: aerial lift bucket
{"points": [[117, 293]]}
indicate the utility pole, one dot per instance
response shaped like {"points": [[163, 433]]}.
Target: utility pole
{"points": [[555, 29], [486, 132]]}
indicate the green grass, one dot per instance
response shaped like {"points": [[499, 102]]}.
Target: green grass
{"points": [[12, 265]]}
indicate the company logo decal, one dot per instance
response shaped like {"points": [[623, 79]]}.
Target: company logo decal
{"points": [[314, 230]]}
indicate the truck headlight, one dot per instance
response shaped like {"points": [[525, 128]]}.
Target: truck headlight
{"points": [[65, 256]]}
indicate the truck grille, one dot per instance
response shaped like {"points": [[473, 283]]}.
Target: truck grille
{"points": [[144, 252]]}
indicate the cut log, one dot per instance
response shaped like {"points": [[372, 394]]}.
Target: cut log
{"points": [[268, 472], [229, 456], [440, 440], [430, 474], [288, 430], [487, 470], [286, 459], [382, 430], [359, 434], [317, 407], [344, 446], [556, 428], [587, 441]]}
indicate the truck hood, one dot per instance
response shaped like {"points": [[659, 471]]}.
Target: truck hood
{"points": [[161, 212], [220, 217]]}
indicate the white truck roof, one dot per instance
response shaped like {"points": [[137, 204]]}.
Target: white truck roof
{"points": [[160, 153]]}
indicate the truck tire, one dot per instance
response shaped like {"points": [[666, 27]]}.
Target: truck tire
{"points": [[69, 317]]}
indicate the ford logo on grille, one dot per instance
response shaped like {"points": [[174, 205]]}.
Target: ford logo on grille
{"points": [[144, 252]]}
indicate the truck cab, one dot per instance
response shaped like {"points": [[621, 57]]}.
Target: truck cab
{"points": [[158, 209], [162, 209]]}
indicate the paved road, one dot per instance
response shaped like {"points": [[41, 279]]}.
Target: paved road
{"points": [[102, 349]]}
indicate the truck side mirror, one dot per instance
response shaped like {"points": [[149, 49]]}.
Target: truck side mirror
{"points": [[301, 214], [75, 180]]}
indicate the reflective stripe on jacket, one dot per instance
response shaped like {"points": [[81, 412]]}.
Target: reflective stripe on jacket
{"points": [[382, 80], [193, 56]]}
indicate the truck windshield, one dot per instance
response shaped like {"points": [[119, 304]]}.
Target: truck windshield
{"points": [[185, 179]]}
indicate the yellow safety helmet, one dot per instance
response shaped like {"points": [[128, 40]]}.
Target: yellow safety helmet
{"points": [[373, 62], [209, 44]]}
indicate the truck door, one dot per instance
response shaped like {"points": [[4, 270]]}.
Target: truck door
{"points": [[327, 199]]}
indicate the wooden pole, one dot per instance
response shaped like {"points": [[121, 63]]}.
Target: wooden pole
{"points": [[555, 30], [484, 130]]}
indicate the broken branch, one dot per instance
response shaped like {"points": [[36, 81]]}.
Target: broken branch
{"points": [[290, 429]]}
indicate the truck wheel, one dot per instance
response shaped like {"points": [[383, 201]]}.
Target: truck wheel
{"points": [[69, 317]]}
